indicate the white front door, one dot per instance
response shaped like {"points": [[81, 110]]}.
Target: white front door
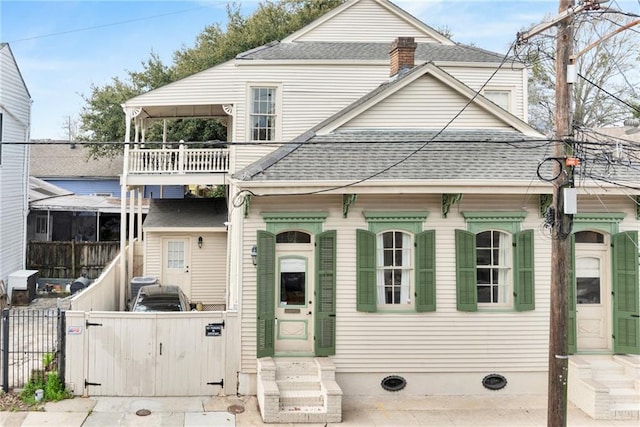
{"points": [[176, 263], [294, 299], [593, 297]]}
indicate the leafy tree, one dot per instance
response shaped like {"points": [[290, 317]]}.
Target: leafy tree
{"points": [[606, 80], [102, 116]]}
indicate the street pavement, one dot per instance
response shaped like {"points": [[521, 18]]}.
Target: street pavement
{"points": [[365, 411]]}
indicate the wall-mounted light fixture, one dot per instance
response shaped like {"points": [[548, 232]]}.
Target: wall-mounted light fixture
{"points": [[200, 242], [254, 255]]}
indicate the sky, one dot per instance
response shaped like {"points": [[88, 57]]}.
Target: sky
{"points": [[63, 48]]}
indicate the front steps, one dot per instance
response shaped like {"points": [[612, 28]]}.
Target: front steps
{"points": [[606, 387], [298, 390]]}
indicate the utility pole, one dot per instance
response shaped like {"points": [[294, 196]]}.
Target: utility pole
{"points": [[559, 307]]}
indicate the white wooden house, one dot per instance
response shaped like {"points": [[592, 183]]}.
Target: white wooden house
{"points": [[15, 126], [386, 223]]}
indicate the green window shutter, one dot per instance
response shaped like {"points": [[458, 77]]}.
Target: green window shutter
{"points": [[466, 276], [325, 297], [572, 343], [524, 283], [626, 323], [425, 296], [265, 282], [366, 271]]}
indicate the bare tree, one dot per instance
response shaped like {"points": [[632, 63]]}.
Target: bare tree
{"points": [[606, 59], [71, 128]]}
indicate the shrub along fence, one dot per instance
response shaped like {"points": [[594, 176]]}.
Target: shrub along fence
{"points": [[63, 260]]}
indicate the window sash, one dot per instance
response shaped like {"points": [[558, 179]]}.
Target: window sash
{"points": [[394, 269], [493, 268], [263, 113]]}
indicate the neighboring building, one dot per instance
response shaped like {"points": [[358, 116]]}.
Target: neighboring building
{"points": [[70, 166], [15, 127], [386, 221]]}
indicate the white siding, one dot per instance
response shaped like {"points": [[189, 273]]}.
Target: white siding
{"points": [[15, 107], [506, 78], [366, 21], [442, 341], [425, 103], [208, 264]]}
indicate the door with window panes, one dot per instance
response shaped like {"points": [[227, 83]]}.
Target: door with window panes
{"points": [[294, 293], [176, 263], [592, 291]]}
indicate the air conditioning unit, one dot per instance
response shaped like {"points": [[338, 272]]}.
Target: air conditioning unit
{"points": [[22, 287]]}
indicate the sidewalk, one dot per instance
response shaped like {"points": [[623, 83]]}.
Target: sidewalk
{"points": [[447, 411]]}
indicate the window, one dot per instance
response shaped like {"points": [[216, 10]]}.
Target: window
{"points": [[394, 268], [493, 261], [500, 97], [293, 283], [293, 237], [263, 114], [175, 254], [588, 280], [41, 224]]}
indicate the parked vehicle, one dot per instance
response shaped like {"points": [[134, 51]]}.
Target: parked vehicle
{"points": [[160, 298]]}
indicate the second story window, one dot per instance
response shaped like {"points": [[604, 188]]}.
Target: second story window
{"points": [[263, 114]]}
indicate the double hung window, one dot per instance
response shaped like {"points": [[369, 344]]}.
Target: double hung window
{"points": [[494, 263], [394, 268], [395, 263], [263, 114], [493, 268]]}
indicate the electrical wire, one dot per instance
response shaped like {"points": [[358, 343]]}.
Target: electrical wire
{"points": [[111, 24]]}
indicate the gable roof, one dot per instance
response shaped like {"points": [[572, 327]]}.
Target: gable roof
{"points": [[188, 213], [348, 41], [402, 81], [357, 153], [5, 47], [376, 19], [60, 159], [366, 51]]}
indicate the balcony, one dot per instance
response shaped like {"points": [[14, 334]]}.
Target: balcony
{"points": [[145, 166]]}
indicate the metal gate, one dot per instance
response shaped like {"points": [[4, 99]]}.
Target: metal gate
{"points": [[29, 339], [154, 354]]}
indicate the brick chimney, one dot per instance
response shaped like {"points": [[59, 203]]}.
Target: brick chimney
{"points": [[402, 54]]}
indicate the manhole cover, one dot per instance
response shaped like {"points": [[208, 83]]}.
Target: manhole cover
{"points": [[143, 412], [235, 409]]}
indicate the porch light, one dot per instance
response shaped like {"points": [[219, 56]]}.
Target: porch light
{"points": [[254, 255], [200, 242]]}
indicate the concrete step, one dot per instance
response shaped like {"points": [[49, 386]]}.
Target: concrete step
{"points": [[615, 381], [624, 395], [299, 384], [624, 411], [290, 398]]}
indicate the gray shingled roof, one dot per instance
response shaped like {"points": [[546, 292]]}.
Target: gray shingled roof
{"points": [[56, 159], [366, 51], [186, 213], [454, 154], [473, 155]]}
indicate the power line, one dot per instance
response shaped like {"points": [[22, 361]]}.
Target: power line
{"points": [[111, 24]]}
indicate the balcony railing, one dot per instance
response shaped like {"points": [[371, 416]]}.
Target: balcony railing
{"points": [[150, 161]]}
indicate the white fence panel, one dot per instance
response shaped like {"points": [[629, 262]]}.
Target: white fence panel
{"points": [[151, 354]]}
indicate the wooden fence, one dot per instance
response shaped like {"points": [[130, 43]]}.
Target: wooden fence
{"points": [[69, 260]]}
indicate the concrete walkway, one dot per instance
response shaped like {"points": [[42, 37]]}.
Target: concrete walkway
{"points": [[392, 410]]}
